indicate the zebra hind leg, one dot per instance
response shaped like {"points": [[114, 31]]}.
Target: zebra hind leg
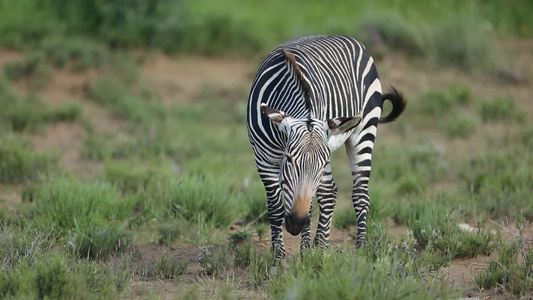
{"points": [[360, 155], [327, 196]]}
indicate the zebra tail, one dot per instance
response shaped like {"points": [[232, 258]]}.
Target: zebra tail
{"points": [[398, 105]]}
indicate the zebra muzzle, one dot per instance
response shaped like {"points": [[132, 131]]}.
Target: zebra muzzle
{"points": [[295, 224]]}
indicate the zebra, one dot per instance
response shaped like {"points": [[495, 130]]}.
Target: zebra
{"points": [[310, 96]]}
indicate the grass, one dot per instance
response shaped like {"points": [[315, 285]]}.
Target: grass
{"points": [[169, 269], [89, 214], [184, 173], [207, 27], [313, 276], [18, 163], [195, 198], [508, 270], [499, 182], [33, 267], [501, 109], [435, 227]]}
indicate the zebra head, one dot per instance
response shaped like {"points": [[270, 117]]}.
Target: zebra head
{"points": [[306, 156]]}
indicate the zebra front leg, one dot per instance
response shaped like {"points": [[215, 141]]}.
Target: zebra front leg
{"points": [[326, 196], [276, 211], [306, 232]]}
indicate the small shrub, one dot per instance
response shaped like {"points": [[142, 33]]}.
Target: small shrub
{"points": [[18, 163], [397, 33], [99, 241], [493, 275], [436, 102], [461, 94], [112, 93], [82, 52], [69, 112], [32, 67], [260, 268], [26, 67], [239, 237], [217, 259], [22, 113], [95, 148], [410, 185], [501, 109], [92, 211], [170, 231], [461, 126], [508, 270], [194, 198], [132, 177], [244, 252], [315, 276], [436, 228], [34, 267], [65, 203], [500, 183], [450, 44], [169, 269]]}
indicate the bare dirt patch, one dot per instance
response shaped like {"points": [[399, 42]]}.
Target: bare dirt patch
{"points": [[179, 79]]}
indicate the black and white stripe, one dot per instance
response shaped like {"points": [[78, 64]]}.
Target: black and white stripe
{"points": [[310, 96]]}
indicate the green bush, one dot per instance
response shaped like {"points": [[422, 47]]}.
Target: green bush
{"points": [[435, 227], [460, 126], [513, 273], [130, 176], [112, 93], [33, 267], [18, 163], [315, 276], [92, 211], [501, 109], [169, 269], [26, 113], [195, 198], [469, 49], [32, 67], [82, 52], [500, 183], [68, 112]]}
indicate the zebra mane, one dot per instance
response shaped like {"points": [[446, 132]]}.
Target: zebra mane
{"points": [[303, 83]]}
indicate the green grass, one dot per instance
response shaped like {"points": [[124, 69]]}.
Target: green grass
{"points": [[88, 213], [314, 275], [208, 27], [499, 182], [33, 267], [169, 269], [508, 270], [501, 109], [184, 173], [194, 198], [435, 227], [18, 163]]}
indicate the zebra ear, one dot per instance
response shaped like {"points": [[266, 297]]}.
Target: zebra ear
{"points": [[342, 124], [274, 114]]}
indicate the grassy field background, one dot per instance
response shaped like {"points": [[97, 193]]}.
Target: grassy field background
{"points": [[126, 172]]}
